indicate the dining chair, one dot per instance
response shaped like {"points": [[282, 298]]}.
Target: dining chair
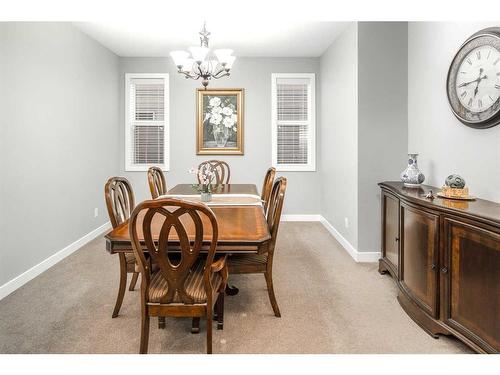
{"points": [[187, 286], [263, 263], [119, 198], [156, 181], [221, 169], [267, 187]]}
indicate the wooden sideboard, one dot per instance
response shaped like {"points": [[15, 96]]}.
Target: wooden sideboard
{"points": [[445, 258]]}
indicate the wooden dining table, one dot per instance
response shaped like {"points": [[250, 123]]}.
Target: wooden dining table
{"points": [[242, 228]]}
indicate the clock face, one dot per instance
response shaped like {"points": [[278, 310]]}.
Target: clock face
{"points": [[474, 80], [478, 79]]}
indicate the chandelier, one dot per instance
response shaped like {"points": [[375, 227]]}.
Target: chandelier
{"points": [[199, 64]]}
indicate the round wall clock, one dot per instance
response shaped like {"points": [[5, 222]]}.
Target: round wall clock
{"points": [[473, 83]]}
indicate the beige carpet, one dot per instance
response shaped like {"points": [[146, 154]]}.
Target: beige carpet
{"points": [[329, 304]]}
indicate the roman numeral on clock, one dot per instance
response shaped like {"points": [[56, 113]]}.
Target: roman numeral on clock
{"points": [[497, 87], [478, 54], [469, 61], [479, 103], [470, 102], [463, 94]]}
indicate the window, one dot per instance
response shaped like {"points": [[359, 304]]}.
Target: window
{"points": [[293, 122], [146, 121]]}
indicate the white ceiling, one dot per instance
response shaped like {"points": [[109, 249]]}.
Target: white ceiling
{"points": [[247, 38]]}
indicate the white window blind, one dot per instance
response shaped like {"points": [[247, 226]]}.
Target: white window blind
{"points": [[293, 121], [146, 140]]}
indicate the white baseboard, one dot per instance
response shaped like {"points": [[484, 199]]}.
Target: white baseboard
{"points": [[368, 256], [301, 217], [358, 256], [341, 239], [34, 271]]}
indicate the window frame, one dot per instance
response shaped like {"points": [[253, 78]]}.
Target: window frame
{"points": [[311, 142], [129, 166]]}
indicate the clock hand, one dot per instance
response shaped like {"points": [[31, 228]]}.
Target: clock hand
{"points": [[478, 81], [466, 83]]}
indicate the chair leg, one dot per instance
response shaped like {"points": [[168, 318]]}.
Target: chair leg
{"points": [[161, 322], [220, 311], [123, 285], [209, 330], [195, 325], [144, 332], [135, 276], [270, 291]]}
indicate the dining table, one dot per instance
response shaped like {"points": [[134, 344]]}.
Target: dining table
{"points": [[242, 225]]}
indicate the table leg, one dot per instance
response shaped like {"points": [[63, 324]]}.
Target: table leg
{"points": [[195, 325]]}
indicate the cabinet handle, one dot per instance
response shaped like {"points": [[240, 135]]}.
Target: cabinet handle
{"points": [[444, 270], [433, 266], [397, 239]]}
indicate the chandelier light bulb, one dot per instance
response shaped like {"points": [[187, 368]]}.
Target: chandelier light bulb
{"points": [[199, 53], [188, 65], [179, 58], [223, 55], [230, 62]]}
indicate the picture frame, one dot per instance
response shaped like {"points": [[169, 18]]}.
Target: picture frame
{"points": [[219, 129]]}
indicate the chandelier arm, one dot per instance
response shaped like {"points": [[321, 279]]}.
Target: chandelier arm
{"points": [[223, 75], [200, 72], [189, 75], [219, 71]]}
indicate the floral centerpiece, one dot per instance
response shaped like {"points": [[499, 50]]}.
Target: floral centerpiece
{"points": [[205, 176], [223, 118]]}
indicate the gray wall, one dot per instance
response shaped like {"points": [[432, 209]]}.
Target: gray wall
{"points": [[252, 74], [382, 119], [446, 145], [59, 128], [363, 126], [339, 133]]}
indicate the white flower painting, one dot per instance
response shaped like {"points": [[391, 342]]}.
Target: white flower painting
{"points": [[220, 125]]}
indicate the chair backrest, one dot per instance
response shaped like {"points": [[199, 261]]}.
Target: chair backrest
{"points": [[119, 198], [220, 168], [162, 215], [267, 187], [274, 209], [156, 181]]}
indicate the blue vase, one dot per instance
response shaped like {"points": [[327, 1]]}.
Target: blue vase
{"points": [[411, 176]]}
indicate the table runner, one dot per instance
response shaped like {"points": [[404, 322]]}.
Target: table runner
{"points": [[221, 199]]}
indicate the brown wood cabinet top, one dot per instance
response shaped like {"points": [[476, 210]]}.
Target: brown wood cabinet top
{"points": [[480, 209]]}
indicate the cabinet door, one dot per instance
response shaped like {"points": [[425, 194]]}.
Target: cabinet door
{"points": [[390, 230], [419, 251], [471, 278]]}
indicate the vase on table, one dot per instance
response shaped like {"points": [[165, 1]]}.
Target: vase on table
{"points": [[411, 176], [206, 194]]}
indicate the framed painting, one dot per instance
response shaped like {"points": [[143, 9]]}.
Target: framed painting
{"points": [[219, 122]]}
